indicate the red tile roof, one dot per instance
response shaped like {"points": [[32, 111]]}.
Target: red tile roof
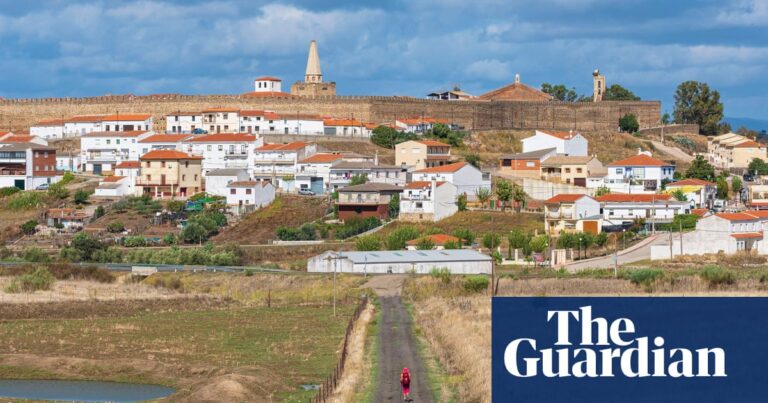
{"points": [[447, 168], [14, 138], [181, 113], [268, 78], [164, 138], [223, 138], [744, 235], [342, 122], [113, 178], [691, 182], [421, 184], [168, 155], [757, 213], [632, 198], [321, 158], [437, 239], [639, 160], [84, 119], [701, 212], [51, 122], [560, 135], [296, 145], [134, 133], [119, 117], [128, 164], [268, 115], [747, 144], [433, 143], [736, 216], [564, 198]]}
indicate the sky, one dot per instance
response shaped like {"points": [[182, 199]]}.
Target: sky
{"points": [[408, 47]]}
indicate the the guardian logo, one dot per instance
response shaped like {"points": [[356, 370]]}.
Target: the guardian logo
{"points": [[593, 347]]}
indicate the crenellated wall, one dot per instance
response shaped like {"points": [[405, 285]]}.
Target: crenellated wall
{"points": [[22, 113]]}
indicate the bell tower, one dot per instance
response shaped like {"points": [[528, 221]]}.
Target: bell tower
{"points": [[313, 84], [598, 89]]}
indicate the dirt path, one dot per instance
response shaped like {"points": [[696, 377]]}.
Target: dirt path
{"points": [[673, 151], [397, 345]]}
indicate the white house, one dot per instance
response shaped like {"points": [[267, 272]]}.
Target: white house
{"points": [[254, 121], [48, 129], [567, 143], [418, 124], [27, 165], [699, 193], [68, 162], [278, 162], [457, 261], [572, 212], [346, 127], [162, 141], [183, 122], [11, 138], [428, 201], [314, 172], [618, 208], [267, 84], [639, 173], [127, 122], [246, 196], [342, 172], [221, 120], [223, 150], [101, 151], [129, 170], [466, 177], [216, 181], [113, 187], [303, 124], [80, 125]]}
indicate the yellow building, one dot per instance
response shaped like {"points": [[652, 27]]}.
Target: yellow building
{"points": [[573, 170], [731, 150], [422, 154], [170, 174]]}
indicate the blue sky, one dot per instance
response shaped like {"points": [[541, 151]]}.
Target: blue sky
{"points": [[83, 48]]}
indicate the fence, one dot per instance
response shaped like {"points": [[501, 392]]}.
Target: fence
{"points": [[326, 388]]}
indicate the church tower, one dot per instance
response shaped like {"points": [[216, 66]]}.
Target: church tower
{"points": [[313, 84], [598, 87]]}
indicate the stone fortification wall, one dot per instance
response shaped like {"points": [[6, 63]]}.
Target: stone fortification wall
{"points": [[21, 113]]}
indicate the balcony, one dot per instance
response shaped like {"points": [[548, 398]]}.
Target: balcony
{"points": [[105, 158], [154, 182], [12, 172], [236, 155], [274, 160]]}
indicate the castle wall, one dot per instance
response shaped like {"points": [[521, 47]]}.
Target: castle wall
{"points": [[16, 114]]}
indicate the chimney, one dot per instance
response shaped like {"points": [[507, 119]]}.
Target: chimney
{"points": [[517, 78]]}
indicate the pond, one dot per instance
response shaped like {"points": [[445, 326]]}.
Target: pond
{"points": [[81, 391]]}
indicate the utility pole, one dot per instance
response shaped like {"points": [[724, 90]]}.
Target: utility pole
{"points": [[681, 237], [671, 254]]}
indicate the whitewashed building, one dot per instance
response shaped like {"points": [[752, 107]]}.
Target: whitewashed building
{"points": [[183, 122], [114, 187], [216, 181], [127, 122], [567, 143], [267, 84], [48, 129], [572, 213], [618, 208], [221, 120], [101, 151], [260, 122], [457, 261], [428, 201], [162, 141], [466, 177], [314, 172], [278, 162], [639, 173], [246, 196], [27, 166], [131, 171], [346, 127], [224, 150]]}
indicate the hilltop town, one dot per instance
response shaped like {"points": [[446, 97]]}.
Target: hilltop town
{"points": [[294, 230]]}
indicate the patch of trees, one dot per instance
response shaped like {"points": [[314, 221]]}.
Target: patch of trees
{"points": [[696, 103]]}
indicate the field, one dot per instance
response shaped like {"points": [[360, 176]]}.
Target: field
{"points": [[259, 227], [479, 222], [214, 337]]}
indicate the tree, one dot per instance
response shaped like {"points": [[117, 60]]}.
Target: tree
{"points": [[465, 236], [57, 190], [491, 240], [559, 92], [394, 205], [81, 196], [195, 233], [461, 201], [473, 159], [397, 239], [175, 206], [758, 167], [666, 119], [696, 103], [358, 179], [387, 137], [518, 195], [539, 243], [516, 239], [504, 193], [567, 240], [452, 245], [425, 243], [115, 227], [86, 246], [29, 227], [444, 133], [99, 212], [736, 184], [722, 188], [602, 191], [618, 93], [483, 195], [746, 132], [628, 123], [368, 242], [679, 195], [700, 169]]}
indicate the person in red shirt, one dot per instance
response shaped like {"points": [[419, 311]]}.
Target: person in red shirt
{"points": [[405, 381]]}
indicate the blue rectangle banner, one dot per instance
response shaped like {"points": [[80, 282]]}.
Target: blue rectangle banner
{"points": [[629, 349]]}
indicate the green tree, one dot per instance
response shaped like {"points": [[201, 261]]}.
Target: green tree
{"points": [[700, 169], [473, 159], [491, 240], [602, 191], [368, 242], [483, 196], [99, 212], [29, 227], [504, 193], [518, 195], [666, 119], [567, 240], [679, 195], [175, 206], [517, 239], [387, 137], [466, 236], [461, 202], [425, 243], [57, 190], [452, 245], [628, 123], [394, 205], [722, 188], [560, 92], [86, 246], [746, 132], [194, 232], [358, 179], [758, 167], [736, 184], [81, 196], [539, 243], [618, 93], [696, 103], [397, 239]]}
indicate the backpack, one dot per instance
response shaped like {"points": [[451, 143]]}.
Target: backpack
{"points": [[406, 379]]}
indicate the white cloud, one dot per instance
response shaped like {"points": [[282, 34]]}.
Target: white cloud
{"points": [[745, 12], [488, 69]]}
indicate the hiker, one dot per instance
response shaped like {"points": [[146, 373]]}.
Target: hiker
{"points": [[405, 380]]}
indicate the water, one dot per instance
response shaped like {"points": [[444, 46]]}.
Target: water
{"points": [[81, 391]]}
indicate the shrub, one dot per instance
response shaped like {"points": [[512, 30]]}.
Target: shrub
{"points": [[35, 255], [356, 226], [368, 243], [67, 177], [175, 206], [466, 236], [397, 239], [461, 202], [248, 272], [443, 274], [24, 201], [134, 241], [452, 245], [425, 243], [601, 239], [39, 279], [628, 123], [109, 255], [717, 276], [476, 283], [116, 227], [99, 212], [85, 245], [29, 227], [58, 191], [81, 196], [170, 239], [645, 277], [8, 191]]}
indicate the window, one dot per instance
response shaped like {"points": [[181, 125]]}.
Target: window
{"points": [[419, 205], [248, 191], [149, 178], [210, 147], [530, 164], [162, 164], [232, 191], [117, 141], [226, 127], [567, 170], [186, 164], [183, 177], [147, 164], [195, 177], [578, 170], [619, 171], [108, 141], [221, 147], [225, 116]]}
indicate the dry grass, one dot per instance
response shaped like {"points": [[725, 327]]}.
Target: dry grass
{"points": [[356, 368], [479, 222]]}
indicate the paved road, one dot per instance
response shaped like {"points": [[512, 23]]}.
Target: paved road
{"points": [[673, 151], [639, 251], [397, 345]]}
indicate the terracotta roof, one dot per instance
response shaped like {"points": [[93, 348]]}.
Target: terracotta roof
{"points": [[437, 239], [757, 213], [14, 138], [701, 212], [516, 92], [633, 198], [422, 184], [51, 122], [268, 78], [744, 235], [180, 113], [433, 143], [128, 164], [268, 115], [296, 145], [84, 119], [221, 109], [134, 133], [247, 184], [565, 198], [560, 135], [164, 138], [113, 178], [222, 138], [748, 144], [119, 117], [267, 94], [447, 168], [736, 216], [639, 160], [321, 158], [342, 122], [168, 155], [691, 182], [371, 187]]}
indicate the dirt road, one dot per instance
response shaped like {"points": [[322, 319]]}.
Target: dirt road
{"points": [[640, 251], [397, 345]]}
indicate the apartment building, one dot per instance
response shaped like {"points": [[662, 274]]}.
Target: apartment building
{"points": [[246, 196], [162, 141], [224, 150], [639, 173], [183, 122], [733, 151], [101, 151], [421, 154], [366, 200], [346, 127], [465, 177], [278, 162], [221, 120], [170, 174], [27, 165], [428, 201]]}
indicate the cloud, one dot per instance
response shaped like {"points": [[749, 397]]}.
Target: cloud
{"points": [[488, 69], [749, 12]]}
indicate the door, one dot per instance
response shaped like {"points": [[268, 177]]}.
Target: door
{"points": [[580, 182], [19, 183], [316, 185], [590, 227], [97, 169]]}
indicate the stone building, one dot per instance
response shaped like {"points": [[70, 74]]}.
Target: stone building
{"points": [[313, 85], [516, 91]]}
